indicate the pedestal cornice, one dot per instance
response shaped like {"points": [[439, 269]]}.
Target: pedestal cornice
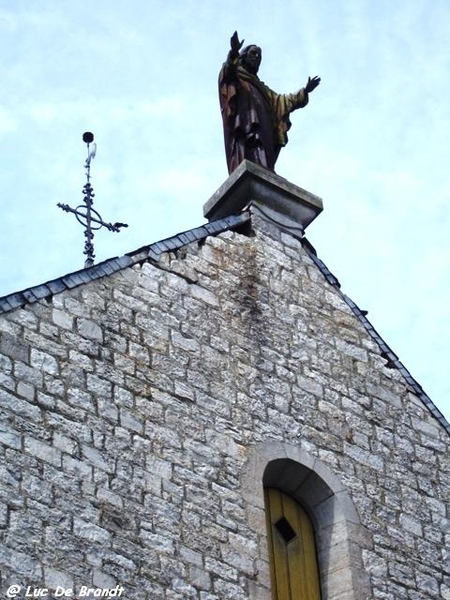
{"points": [[277, 199]]}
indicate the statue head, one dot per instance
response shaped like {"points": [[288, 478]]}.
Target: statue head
{"points": [[250, 58]]}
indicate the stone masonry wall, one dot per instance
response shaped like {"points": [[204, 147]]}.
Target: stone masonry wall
{"points": [[130, 407]]}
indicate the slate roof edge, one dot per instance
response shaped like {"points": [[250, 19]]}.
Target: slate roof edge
{"points": [[391, 358], [112, 265]]}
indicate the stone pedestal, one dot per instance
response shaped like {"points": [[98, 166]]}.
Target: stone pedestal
{"points": [[280, 201]]}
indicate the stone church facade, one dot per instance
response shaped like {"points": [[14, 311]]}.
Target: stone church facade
{"points": [[148, 402]]}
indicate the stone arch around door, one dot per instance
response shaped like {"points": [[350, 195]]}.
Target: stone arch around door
{"points": [[340, 537]]}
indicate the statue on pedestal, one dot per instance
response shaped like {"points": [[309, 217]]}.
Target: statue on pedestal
{"points": [[255, 118]]}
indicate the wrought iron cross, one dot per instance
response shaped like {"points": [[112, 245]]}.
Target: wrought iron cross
{"points": [[84, 213]]}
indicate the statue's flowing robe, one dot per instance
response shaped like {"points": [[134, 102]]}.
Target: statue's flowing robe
{"points": [[255, 118]]}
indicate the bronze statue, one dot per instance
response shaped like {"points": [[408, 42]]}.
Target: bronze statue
{"points": [[255, 119]]}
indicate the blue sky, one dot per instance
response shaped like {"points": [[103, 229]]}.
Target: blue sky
{"points": [[142, 76]]}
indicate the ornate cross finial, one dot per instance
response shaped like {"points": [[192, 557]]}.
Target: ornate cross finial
{"points": [[84, 213]]}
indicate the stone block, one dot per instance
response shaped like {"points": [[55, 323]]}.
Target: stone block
{"points": [[42, 451], [10, 438], [62, 319], [89, 531], [14, 348]]}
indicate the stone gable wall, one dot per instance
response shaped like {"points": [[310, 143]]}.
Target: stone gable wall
{"points": [[131, 407]]}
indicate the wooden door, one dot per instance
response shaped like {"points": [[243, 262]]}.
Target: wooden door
{"points": [[292, 550]]}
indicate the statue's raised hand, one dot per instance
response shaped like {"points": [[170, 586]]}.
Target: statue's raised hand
{"points": [[312, 84], [235, 44]]}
